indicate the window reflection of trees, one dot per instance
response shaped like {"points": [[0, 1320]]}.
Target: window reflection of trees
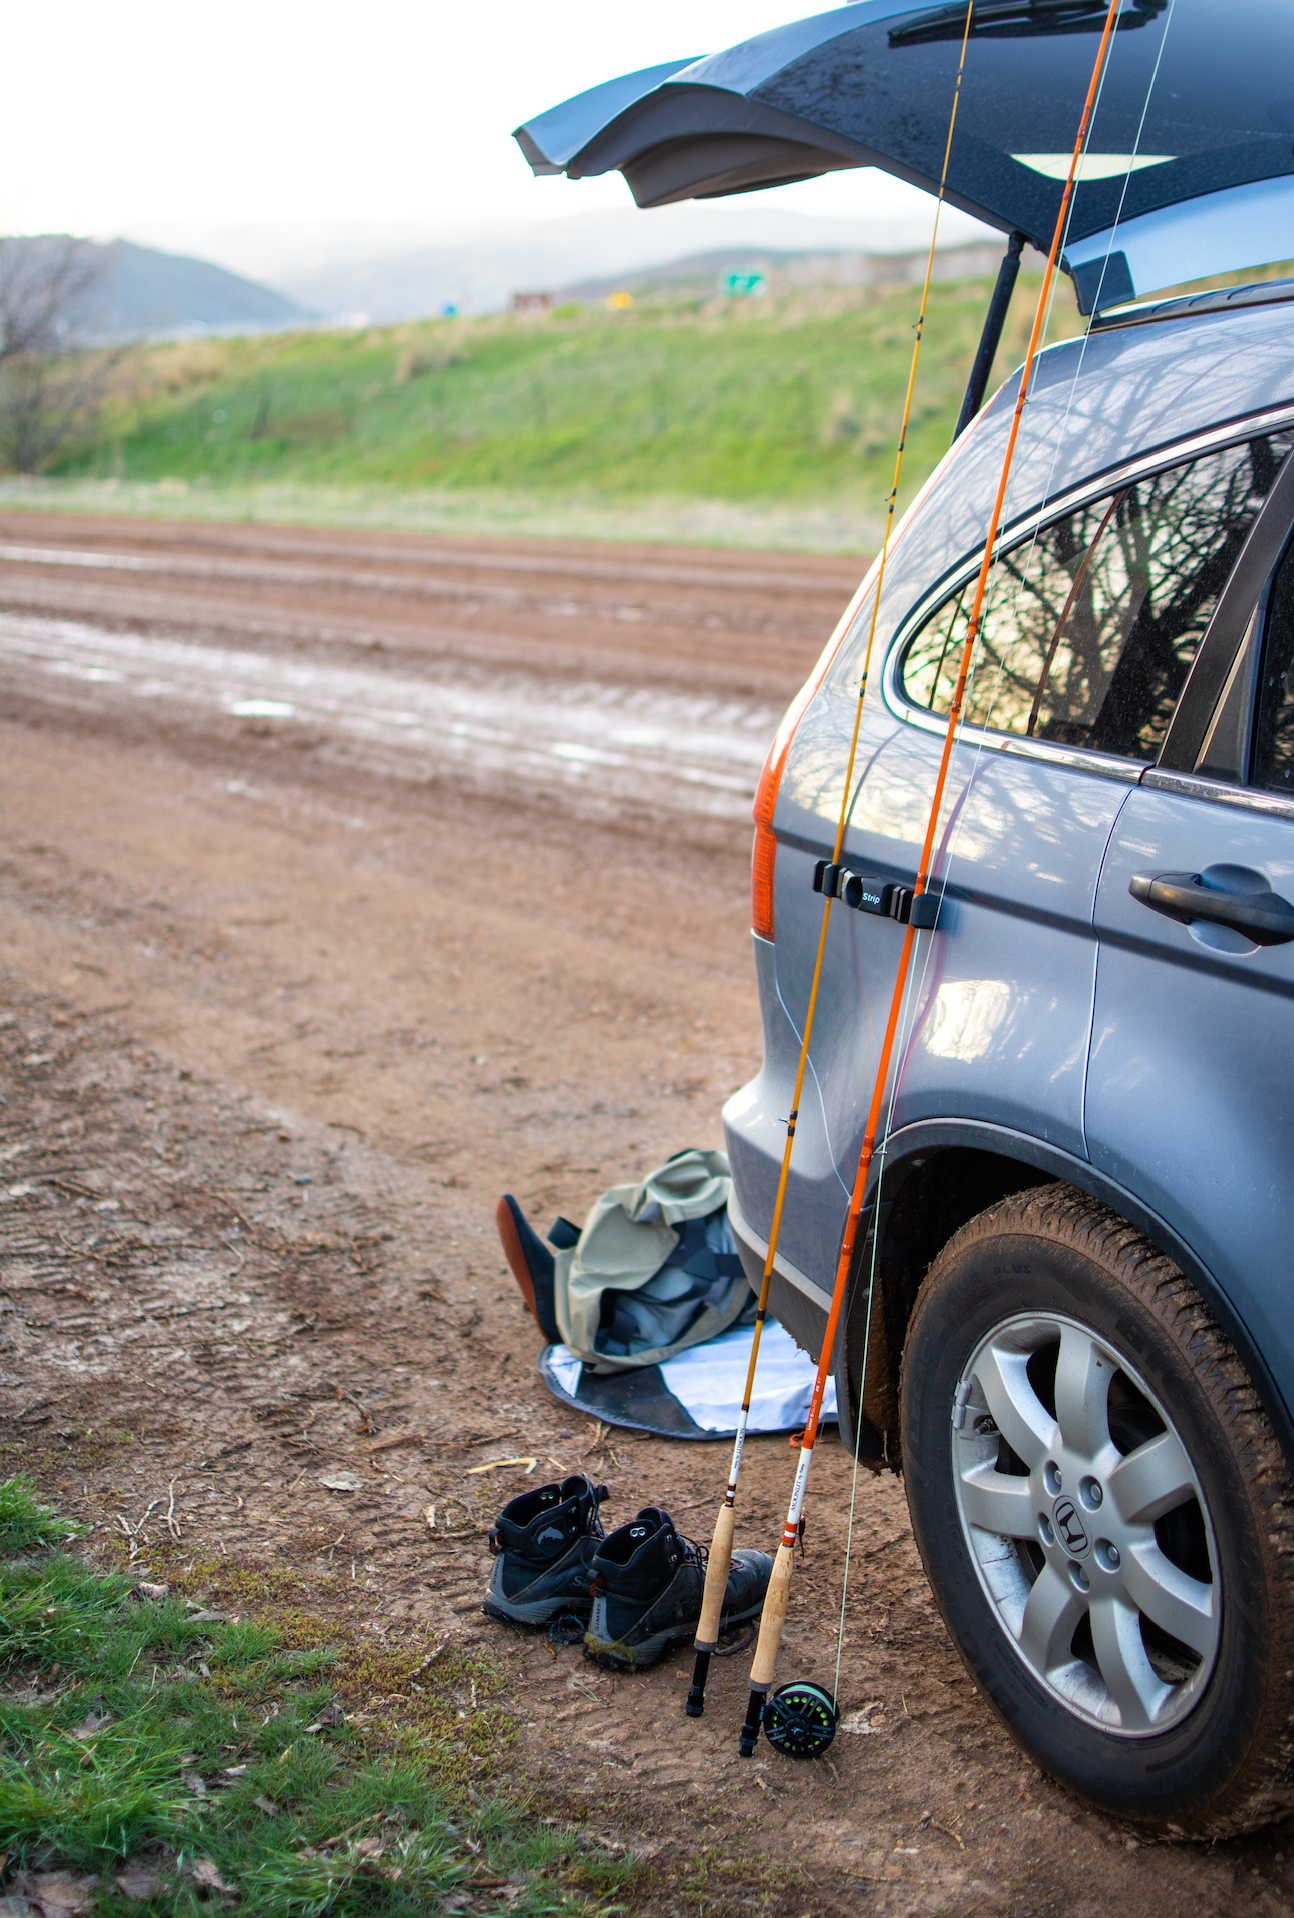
{"points": [[1089, 630]]}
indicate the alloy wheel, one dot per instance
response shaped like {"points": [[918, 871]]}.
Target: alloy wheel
{"points": [[1087, 1524]]}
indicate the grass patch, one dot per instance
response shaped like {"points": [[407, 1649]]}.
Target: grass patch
{"points": [[789, 403], [25, 1523], [197, 1755]]}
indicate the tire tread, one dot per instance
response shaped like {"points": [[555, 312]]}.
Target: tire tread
{"points": [[1263, 1789]]}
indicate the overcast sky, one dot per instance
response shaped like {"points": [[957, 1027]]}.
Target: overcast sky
{"points": [[140, 114]]}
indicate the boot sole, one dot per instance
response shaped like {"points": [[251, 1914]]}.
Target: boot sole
{"points": [[543, 1612], [619, 1657]]}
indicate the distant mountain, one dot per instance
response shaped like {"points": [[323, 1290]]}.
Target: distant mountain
{"points": [[149, 292], [388, 273], [141, 293]]}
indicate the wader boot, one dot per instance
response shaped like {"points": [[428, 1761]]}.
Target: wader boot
{"points": [[543, 1544], [647, 1588]]}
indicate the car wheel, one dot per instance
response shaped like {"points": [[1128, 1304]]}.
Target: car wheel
{"points": [[1104, 1514]]}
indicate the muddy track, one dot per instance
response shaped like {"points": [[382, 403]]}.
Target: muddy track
{"points": [[710, 623], [280, 1022]]}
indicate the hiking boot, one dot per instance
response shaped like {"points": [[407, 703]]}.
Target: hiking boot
{"points": [[543, 1544], [530, 1261], [647, 1587]]}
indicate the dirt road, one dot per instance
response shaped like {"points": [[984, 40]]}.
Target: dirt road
{"points": [[291, 996]]}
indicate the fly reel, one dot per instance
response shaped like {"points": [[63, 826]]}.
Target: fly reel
{"points": [[800, 1720]]}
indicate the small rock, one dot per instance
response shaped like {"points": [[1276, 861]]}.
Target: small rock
{"points": [[156, 1592], [61, 1894], [207, 1875], [137, 1882]]}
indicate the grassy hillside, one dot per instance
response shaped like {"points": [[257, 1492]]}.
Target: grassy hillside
{"points": [[786, 403]]}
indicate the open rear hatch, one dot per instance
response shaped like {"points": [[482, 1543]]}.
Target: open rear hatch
{"points": [[1189, 166]]}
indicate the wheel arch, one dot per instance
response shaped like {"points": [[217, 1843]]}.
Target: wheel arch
{"points": [[936, 1176]]}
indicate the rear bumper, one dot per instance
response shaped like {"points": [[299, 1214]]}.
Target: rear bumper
{"points": [[794, 1299]]}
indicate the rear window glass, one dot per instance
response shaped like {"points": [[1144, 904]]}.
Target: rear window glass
{"points": [[1090, 626]]}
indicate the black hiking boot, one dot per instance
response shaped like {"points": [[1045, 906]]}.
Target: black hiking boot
{"points": [[647, 1587], [543, 1544]]}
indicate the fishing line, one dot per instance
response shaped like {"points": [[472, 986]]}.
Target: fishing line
{"points": [[917, 995], [720, 1556], [1123, 194], [778, 1593]]}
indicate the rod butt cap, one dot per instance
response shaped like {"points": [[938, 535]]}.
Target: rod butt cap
{"points": [[695, 1706]]}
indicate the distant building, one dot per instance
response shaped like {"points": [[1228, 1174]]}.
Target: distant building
{"points": [[531, 302]]}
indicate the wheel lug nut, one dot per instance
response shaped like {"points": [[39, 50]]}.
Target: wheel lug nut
{"points": [[1090, 1493]]}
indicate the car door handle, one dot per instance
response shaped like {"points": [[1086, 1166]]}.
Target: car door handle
{"points": [[1264, 917]]}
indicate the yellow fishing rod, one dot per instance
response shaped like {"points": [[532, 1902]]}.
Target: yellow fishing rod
{"points": [[720, 1559], [777, 1598]]}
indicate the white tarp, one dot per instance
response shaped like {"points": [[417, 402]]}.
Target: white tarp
{"points": [[708, 1380]]}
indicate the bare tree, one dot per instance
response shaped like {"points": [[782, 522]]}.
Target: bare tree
{"points": [[51, 385], [47, 286], [45, 401]]}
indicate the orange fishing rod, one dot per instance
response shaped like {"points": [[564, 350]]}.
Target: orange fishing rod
{"points": [[720, 1559], [779, 1585]]}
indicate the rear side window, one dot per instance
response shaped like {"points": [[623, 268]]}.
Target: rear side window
{"points": [[1091, 625]]}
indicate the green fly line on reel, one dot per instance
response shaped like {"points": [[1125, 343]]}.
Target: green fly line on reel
{"points": [[800, 1720]]}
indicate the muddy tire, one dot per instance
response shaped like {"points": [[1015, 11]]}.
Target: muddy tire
{"points": [[1105, 1516]]}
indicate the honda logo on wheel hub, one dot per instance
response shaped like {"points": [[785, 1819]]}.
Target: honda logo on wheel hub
{"points": [[1069, 1528]]}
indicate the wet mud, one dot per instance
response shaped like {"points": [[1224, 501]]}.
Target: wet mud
{"points": [[282, 1017]]}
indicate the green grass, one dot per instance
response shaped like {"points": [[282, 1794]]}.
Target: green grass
{"points": [[140, 1733], [789, 403], [24, 1522]]}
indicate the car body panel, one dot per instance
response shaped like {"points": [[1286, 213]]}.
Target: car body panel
{"points": [[913, 1146], [998, 1020], [1190, 1096], [999, 1033]]}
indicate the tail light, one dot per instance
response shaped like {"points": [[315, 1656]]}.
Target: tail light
{"points": [[763, 858]]}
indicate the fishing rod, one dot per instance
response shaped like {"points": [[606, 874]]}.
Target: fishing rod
{"points": [[720, 1559], [811, 1719]]}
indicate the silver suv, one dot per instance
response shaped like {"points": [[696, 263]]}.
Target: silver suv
{"points": [[1081, 1350], [1070, 1323]]}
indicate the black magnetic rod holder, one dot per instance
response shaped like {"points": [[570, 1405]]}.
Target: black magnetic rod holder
{"points": [[867, 892]]}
